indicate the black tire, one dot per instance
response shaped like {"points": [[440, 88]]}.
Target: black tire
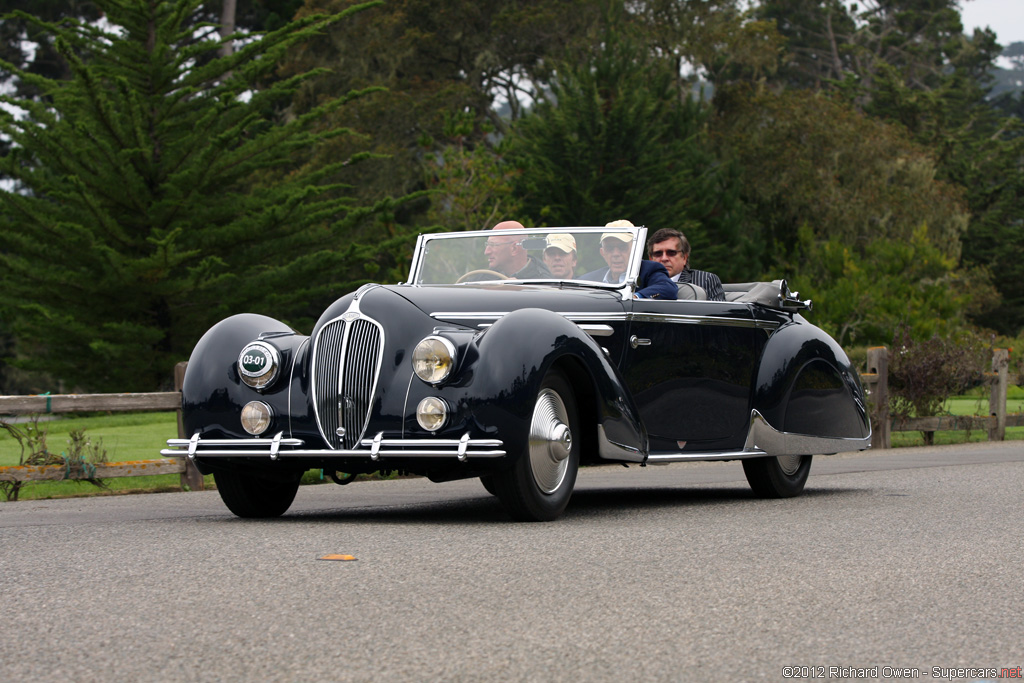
{"points": [[777, 476], [488, 481], [251, 496], [538, 486]]}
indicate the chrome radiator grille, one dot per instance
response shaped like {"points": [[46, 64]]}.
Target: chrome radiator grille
{"points": [[346, 365]]}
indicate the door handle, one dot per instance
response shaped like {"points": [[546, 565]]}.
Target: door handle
{"points": [[636, 341]]}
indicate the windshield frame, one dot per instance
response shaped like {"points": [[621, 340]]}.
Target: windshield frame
{"points": [[626, 287]]}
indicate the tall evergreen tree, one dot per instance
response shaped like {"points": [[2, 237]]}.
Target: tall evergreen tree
{"points": [[158, 189], [614, 139]]}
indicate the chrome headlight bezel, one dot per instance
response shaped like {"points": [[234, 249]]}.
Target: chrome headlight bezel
{"points": [[433, 359], [432, 413], [259, 364], [256, 417]]}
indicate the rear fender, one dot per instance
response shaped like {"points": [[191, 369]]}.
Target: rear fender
{"points": [[806, 385]]}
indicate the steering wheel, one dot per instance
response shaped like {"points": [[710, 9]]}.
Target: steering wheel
{"points": [[472, 276]]}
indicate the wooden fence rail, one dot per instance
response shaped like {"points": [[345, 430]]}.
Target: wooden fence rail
{"points": [[875, 382], [164, 401]]}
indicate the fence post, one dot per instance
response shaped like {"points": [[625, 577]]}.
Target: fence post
{"points": [[878, 364], [191, 478], [997, 394]]}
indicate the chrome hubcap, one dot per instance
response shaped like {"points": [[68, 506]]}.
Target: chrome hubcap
{"points": [[550, 441], [789, 464]]}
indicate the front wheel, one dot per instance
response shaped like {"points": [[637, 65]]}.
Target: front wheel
{"points": [[537, 488], [488, 481], [252, 496], [781, 476]]}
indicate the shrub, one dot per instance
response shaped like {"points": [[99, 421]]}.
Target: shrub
{"points": [[924, 373]]}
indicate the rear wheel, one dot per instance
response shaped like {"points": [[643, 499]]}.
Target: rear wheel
{"points": [[780, 476], [252, 496], [537, 488]]}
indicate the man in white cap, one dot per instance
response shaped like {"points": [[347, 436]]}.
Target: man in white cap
{"points": [[560, 255], [653, 282]]}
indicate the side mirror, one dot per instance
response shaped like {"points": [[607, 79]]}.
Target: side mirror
{"points": [[534, 243]]}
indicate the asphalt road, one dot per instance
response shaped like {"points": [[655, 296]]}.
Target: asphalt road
{"points": [[903, 559]]}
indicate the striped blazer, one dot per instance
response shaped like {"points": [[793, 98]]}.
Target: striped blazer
{"points": [[709, 282]]}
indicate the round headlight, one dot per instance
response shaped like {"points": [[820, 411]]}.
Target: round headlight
{"points": [[433, 359], [431, 413], [258, 364], [256, 417]]}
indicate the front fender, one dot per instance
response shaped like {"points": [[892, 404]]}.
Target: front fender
{"points": [[213, 394], [508, 363], [806, 385]]}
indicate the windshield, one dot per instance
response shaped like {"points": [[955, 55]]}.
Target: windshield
{"points": [[593, 255]]}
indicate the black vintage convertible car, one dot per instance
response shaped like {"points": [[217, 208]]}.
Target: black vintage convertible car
{"points": [[464, 371]]}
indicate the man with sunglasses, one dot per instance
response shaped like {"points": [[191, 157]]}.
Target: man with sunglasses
{"points": [[671, 249]]}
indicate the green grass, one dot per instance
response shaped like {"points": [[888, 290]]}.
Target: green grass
{"points": [[140, 436], [124, 436], [973, 403]]}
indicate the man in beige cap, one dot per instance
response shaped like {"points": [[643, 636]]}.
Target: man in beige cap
{"points": [[653, 282], [560, 255]]}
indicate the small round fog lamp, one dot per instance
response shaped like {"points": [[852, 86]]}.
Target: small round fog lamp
{"points": [[431, 413], [256, 417], [433, 359]]}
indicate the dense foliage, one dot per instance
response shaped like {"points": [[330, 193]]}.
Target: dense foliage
{"points": [[610, 140], [857, 149], [156, 189]]}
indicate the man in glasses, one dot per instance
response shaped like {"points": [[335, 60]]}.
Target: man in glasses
{"points": [[671, 249], [506, 255], [653, 282]]}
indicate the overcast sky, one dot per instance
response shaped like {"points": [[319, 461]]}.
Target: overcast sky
{"points": [[1005, 17]]}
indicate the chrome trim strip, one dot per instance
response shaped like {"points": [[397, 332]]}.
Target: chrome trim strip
{"points": [[598, 330], [580, 317], [456, 443], [255, 442], [461, 449], [701, 320], [291, 380], [762, 436], [664, 458], [610, 450], [764, 440]]}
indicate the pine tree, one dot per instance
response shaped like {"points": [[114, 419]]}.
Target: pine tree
{"points": [[615, 140], [160, 188]]}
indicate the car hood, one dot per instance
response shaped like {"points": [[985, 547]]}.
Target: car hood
{"points": [[444, 301]]}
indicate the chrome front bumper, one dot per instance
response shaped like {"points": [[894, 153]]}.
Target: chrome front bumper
{"points": [[373, 449]]}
